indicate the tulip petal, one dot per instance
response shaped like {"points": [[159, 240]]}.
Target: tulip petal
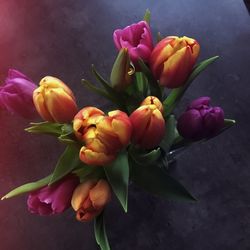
{"points": [[60, 105], [91, 157], [100, 194]]}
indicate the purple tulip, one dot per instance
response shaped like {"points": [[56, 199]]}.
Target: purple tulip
{"points": [[53, 199], [137, 39], [16, 95], [200, 120]]}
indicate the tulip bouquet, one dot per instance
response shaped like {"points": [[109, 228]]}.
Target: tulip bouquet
{"points": [[134, 143]]}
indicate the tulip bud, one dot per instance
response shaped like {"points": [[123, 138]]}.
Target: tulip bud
{"points": [[148, 126], [200, 120], [16, 95], [54, 101], [153, 100], [137, 39], [172, 60], [53, 199], [103, 136], [121, 75], [89, 199]]}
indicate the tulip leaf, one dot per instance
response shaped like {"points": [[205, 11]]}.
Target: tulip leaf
{"points": [[97, 90], [170, 134], [118, 176], [155, 180], [100, 232], [154, 86], [176, 94], [145, 158], [45, 128], [141, 84], [28, 187], [147, 16], [68, 161], [104, 83]]}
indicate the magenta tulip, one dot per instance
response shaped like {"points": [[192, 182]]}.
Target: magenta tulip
{"points": [[16, 95], [53, 199], [200, 120], [137, 39]]}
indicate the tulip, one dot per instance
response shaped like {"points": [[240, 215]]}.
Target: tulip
{"points": [[172, 60], [121, 75], [85, 118], [137, 39], [16, 95], [53, 199], [148, 126], [54, 100], [89, 199], [200, 120], [103, 136], [153, 100]]}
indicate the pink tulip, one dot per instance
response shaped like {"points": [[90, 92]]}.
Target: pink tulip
{"points": [[16, 95], [137, 39], [53, 199]]}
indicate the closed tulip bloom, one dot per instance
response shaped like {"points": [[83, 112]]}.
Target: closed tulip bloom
{"points": [[103, 136], [121, 74], [137, 39], [172, 60], [53, 199], [89, 199], [200, 120], [148, 126], [16, 95], [54, 100], [153, 100]]}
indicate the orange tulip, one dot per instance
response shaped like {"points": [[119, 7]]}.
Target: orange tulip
{"points": [[148, 125], [172, 60], [153, 100], [103, 136], [89, 199], [54, 100]]}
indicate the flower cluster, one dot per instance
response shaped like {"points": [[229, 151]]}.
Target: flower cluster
{"points": [[135, 141]]}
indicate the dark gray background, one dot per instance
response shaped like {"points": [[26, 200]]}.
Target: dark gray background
{"points": [[62, 38]]}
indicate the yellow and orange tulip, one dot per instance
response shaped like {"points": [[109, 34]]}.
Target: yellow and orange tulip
{"points": [[89, 199], [172, 60], [54, 100], [103, 136], [148, 124]]}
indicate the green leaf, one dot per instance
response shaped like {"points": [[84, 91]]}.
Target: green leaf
{"points": [[104, 83], [147, 16], [170, 134], [100, 233], [145, 158], [45, 128], [97, 90], [176, 94], [28, 187], [118, 176], [87, 172], [156, 181], [68, 161], [141, 84], [155, 88]]}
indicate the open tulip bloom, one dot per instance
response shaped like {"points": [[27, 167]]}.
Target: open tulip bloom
{"points": [[135, 143]]}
